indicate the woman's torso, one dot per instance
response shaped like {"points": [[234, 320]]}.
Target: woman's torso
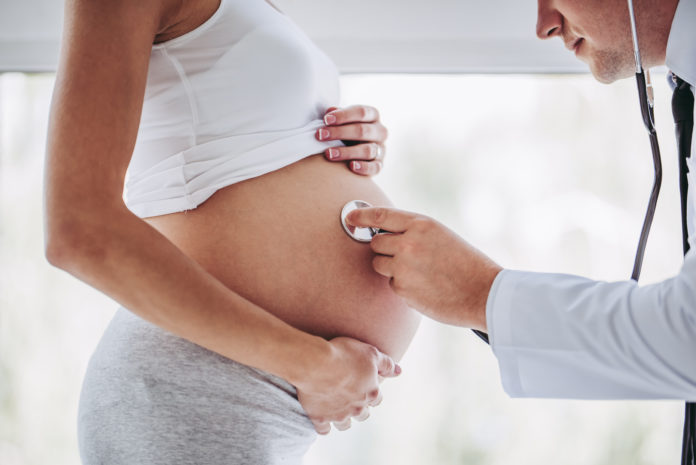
{"points": [[277, 241], [275, 238]]}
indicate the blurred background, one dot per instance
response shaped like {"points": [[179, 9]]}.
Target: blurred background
{"points": [[549, 173], [542, 171]]}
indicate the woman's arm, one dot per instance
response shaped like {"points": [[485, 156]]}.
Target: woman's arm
{"points": [[91, 234]]}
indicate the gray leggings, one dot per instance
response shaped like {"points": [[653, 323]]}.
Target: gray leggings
{"points": [[150, 397]]}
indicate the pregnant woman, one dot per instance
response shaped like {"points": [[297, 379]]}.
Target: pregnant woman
{"points": [[248, 319]]}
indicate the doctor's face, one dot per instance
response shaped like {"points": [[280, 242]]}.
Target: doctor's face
{"points": [[599, 32]]}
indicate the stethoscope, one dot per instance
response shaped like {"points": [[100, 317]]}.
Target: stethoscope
{"points": [[357, 233], [645, 96]]}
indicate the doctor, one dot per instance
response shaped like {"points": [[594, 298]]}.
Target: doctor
{"points": [[557, 335]]}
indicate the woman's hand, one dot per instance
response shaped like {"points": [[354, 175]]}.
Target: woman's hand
{"points": [[359, 128], [345, 385]]}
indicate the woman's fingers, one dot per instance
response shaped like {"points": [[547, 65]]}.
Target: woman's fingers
{"points": [[386, 367], [344, 384], [360, 129], [363, 415], [363, 132], [365, 159], [370, 151], [376, 401], [343, 425], [322, 427], [365, 168], [352, 114]]}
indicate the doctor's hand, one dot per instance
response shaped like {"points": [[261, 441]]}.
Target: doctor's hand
{"points": [[433, 269], [345, 384], [359, 127]]}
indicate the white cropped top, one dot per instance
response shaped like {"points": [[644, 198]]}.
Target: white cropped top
{"points": [[239, 96]]}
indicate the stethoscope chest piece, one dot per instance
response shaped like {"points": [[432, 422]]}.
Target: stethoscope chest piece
{"points": [[356, 233]]}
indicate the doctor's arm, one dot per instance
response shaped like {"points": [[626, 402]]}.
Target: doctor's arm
{"points": [[555, 336], [566, 336]]}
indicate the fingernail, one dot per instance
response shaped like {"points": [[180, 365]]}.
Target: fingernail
{"points": [[323, 134], [333, 154], [329, 119], [356, 165]]}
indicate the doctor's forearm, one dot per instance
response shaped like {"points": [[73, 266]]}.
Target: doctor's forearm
{"points": [[569, 337]]}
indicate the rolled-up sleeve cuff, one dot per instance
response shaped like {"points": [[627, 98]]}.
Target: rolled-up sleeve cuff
{"points": [[499, 321]]}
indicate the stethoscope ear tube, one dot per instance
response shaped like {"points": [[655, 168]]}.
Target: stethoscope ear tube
{"points": [[652, 205], [646, 99], [647, 113]]}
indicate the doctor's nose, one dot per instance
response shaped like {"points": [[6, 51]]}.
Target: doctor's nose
{"points": [[549, 21]]}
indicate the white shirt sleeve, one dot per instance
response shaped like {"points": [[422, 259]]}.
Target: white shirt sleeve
{"points": [[563, 336]]}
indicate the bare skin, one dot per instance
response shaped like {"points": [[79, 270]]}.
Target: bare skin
{"points": [[438, 272], [307, 271], [173, 278]]}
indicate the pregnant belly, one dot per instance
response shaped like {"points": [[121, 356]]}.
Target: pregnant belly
{"points": [[277, 241]]}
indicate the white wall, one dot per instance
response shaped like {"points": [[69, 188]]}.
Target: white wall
{"points": [[29, 34], [360, 35]]}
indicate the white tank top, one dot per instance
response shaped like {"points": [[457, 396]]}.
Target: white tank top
{"points": [[239, 96]]}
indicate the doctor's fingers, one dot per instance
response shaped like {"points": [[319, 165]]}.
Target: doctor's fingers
{"points": [[386, 244], [389, 219], [383, 265]]}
